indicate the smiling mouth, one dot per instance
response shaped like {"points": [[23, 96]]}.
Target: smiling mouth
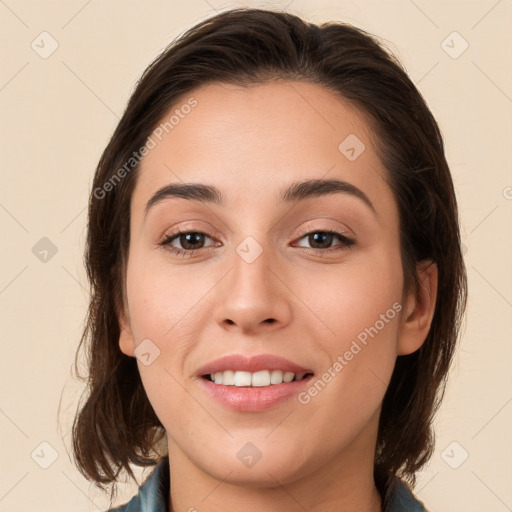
{"points": [[263, 378]]}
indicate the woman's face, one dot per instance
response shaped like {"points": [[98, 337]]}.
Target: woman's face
{"points": [[266, 279]]}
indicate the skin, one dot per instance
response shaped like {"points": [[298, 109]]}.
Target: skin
{"points": [[251, 143]]}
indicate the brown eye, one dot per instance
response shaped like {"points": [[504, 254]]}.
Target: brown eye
{"points": [[322, 240], [191, 241], [188, 242]]}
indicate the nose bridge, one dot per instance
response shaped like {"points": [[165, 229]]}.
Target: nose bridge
{"points": [[252, 295], [251, 266]]}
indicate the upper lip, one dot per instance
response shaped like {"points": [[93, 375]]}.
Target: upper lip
{"points": [[240, 362]]}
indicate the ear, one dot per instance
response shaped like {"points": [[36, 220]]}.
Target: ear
{"points": [[419, 310], [126, 341]]}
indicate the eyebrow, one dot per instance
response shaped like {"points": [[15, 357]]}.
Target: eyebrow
{"points": [[297, 191]]}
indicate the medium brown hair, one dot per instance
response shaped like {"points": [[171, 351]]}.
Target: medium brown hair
{"points": [[117, 425]]}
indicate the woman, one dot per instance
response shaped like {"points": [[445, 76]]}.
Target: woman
{"points": [[277, 278]]}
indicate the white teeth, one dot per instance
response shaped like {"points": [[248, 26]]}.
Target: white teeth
{"points": [[242, 379], [261, 378], [256, 379], [288, 376], [228, 378], [276, 377]]}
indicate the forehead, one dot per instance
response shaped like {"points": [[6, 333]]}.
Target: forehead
{"points": [[253, 141]]}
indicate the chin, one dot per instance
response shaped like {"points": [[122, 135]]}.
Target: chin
{"points": [[251, 467]]}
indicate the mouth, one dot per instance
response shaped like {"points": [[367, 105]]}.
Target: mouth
{"points": [[262, 378], [253, 383]]}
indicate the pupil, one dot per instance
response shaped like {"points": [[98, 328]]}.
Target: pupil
{"points": [[187, 240], [316, 236]]}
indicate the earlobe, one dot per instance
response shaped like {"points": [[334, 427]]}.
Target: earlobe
{"points": [[420, 310], [126, 341]]}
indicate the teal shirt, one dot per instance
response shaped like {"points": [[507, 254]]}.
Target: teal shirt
{"points": [[153, 495]]}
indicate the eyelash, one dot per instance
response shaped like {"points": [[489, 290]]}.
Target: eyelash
{"points": [[347, 242]]}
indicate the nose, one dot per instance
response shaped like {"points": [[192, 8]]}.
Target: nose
{"points": [[253, 297]]}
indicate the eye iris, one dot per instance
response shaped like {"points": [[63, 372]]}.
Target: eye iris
{"points": [[314, 239], [187, 243]]}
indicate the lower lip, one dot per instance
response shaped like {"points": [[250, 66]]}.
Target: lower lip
{"points": [[254, 399]]}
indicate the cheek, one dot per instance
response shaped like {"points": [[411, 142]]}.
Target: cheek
{"points": [[163, 308], [163, 300], [352, 298], [167, 308], [359, 307]]}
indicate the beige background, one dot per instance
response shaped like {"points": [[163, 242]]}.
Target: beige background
{"points": [[57, 115]]}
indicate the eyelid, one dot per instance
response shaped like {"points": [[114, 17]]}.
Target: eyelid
{"points": [[307, 229], [340, 228], [192, 226]]}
